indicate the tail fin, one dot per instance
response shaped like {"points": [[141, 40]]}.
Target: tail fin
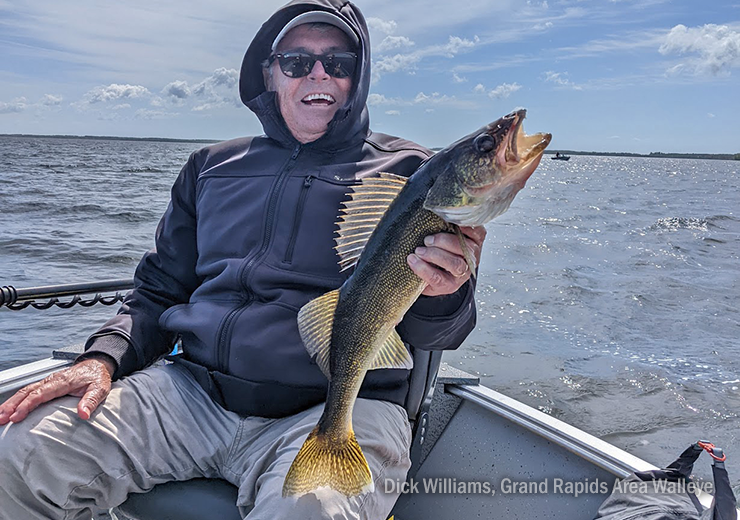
{"points": [[324, 462]]}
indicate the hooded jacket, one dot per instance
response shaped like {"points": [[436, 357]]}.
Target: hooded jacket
{"points": [[247, 240]]}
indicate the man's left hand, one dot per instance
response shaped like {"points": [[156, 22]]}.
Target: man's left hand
{"points": [[441, 262]]}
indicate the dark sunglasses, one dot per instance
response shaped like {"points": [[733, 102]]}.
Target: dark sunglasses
{"points": [[299, 64]]}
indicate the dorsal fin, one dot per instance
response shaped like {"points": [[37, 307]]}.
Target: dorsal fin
{"points": [[360, 215]]}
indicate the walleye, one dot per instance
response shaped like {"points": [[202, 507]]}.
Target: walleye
{"points": [[352, 329]]}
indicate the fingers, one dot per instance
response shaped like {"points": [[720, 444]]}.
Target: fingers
{"points": [[89, 377], [95, 395], [474, 237], [438, 282], [441, 262]]}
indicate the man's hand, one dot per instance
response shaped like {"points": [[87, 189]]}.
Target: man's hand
{"points": [[441, 264], [89, 379]]}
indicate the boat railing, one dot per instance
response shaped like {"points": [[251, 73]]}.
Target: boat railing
{"points": [[19, 299]]}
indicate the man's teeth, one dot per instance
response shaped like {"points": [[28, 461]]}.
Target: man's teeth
{"points": [[314, 97]]}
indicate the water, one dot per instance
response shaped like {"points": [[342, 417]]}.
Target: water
{"points": [[607, 295]]}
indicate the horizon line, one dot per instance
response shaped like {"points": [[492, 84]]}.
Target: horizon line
{"points": [[728, 156]]}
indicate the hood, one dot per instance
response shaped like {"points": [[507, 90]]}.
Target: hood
{"points": [[351, 122]]}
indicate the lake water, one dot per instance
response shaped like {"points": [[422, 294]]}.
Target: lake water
{"points": [[608, 295]]}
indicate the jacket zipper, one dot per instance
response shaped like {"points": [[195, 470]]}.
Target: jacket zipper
{"points": [[298, 215], [224, 346]]}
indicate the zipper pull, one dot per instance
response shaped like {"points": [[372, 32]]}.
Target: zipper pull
{"points": [[295, 153], [307, 181]]}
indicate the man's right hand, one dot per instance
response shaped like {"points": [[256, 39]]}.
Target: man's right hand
{"points": [[89, 379]]}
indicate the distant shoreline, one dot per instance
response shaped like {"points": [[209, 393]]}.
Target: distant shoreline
{"points": [[719, 156], [116, 138]]}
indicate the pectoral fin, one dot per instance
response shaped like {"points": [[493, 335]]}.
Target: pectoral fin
{"points": [[467, 253], [393, 354], [315, 321]]}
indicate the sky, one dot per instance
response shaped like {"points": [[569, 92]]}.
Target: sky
{"points": [[600, 75]]}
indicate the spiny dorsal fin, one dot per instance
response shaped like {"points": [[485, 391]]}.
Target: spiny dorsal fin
{"points": [[393, 354], [360, 215], [315, 321]]}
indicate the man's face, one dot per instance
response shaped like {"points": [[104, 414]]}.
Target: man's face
{"points": [[307, 120]]}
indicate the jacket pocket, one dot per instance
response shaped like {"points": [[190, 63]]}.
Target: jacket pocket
{"points": [[308, 181]]}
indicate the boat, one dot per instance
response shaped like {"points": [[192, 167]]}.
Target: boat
{"points": [[560, 157], [465, 434]]}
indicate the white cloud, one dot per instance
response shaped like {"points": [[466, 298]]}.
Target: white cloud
{"points": [[51, 100], [384, 26], [380, 99], [144, 113], [710, 115], [17, 105], [393, 42], [559, 79], [456, 44], [500, 92], [114, 92], [393, 112], [177, 89], [458, 79], [122, 106], [434, 98], [716, 49], [542, 26]]}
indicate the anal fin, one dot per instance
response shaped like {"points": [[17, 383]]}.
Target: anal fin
{"points": [[393, 354]]}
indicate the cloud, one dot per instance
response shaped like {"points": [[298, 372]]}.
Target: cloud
{"points": [[408, 61], [222, 77], [500, 92], [710, 115], [377, 24], [177, 89], [380, 99], [50, 100], [17, 105], [542, 26], [393, 42], [395, 63], [122, 106], [215, 91], [21, 104], [559, 78], [434, 98], [456, 44], [144, 113], [458, 79], [393, 112], [114, 92], [716, 49]]}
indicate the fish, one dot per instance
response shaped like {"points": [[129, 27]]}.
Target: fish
{"points": [[351, 330]]}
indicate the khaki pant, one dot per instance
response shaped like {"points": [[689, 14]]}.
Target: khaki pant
{"points": [[158, 425]]}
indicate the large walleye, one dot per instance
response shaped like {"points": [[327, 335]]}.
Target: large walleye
{"points": [[352, 330]]}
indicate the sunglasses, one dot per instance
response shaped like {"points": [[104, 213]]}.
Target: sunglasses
{"points": [[300, 64]]}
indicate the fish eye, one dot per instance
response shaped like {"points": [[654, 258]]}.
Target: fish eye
{"points": [[484, 143]]}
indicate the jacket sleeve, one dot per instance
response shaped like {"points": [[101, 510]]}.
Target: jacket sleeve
{"points": [[165, 277], [440, 322]]}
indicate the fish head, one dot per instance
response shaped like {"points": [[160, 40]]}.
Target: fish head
{"points": [[481, 173]]}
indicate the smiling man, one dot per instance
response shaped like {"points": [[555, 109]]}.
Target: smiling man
{"points": [[246, 241]]}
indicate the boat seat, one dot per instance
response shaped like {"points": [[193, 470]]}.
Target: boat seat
{"points": [[214, 498]]}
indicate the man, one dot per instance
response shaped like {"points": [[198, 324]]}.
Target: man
{"points": [[245, 242]]}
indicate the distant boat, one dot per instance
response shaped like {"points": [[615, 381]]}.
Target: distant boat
{"points": [[559, 157]]}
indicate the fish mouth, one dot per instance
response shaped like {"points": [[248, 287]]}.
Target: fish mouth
{"points": [[520, 153]]}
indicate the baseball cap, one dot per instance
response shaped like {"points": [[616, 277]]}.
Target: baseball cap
{"points": [[317, 17]]}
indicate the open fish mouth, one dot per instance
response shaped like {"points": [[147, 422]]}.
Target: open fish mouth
{"points": [[519, 151]]}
